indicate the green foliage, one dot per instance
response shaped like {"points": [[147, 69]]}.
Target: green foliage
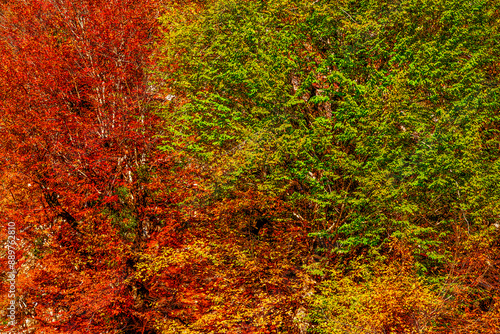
{"points": [[370, 120]]}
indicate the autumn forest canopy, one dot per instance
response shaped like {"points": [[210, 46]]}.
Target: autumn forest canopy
{"points": [[233, 166]]}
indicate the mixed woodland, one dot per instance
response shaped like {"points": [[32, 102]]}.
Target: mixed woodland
{"points": [[267, 166]]}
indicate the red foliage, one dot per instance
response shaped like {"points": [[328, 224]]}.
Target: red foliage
{"points": [[75, 125]]}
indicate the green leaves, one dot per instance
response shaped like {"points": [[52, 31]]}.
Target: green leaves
{"points": [[370, 120]]}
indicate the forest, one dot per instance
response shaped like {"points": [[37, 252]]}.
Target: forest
{"points": [[236, 166]]}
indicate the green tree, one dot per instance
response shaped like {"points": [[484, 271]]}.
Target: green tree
{"points": [[366, 120]]}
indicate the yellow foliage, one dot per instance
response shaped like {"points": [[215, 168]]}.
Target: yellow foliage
{"points": [[376, 298]]}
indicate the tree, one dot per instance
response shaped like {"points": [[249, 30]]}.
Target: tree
{"points": [[77, 131], [365, 120]]}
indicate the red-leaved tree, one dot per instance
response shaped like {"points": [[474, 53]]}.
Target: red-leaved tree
{"points": [[79, 161]]}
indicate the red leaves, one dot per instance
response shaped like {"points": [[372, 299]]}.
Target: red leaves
{"points": [[75, 123], [77, 91]]}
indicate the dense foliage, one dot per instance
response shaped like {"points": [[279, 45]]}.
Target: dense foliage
{"points": [[230, 166]]}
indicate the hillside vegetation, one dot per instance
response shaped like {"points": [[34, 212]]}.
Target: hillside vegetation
{"points": [[231, 166]]}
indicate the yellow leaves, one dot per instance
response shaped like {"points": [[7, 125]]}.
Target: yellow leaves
{"points": [[379, 297], [392, 302], [193, 253]]}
